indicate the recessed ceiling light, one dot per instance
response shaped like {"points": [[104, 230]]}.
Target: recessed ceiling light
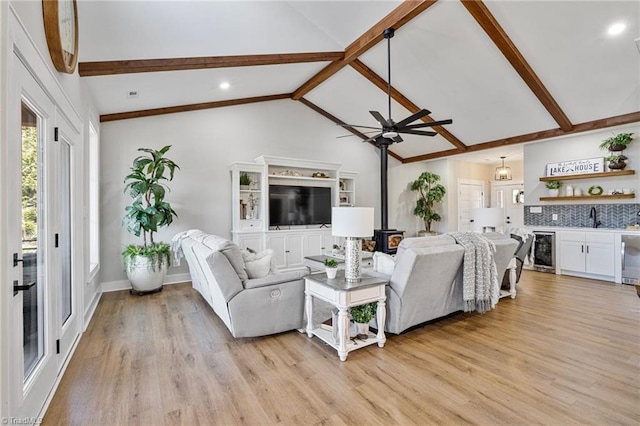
{"points": [[224, 85], [616, 28]]}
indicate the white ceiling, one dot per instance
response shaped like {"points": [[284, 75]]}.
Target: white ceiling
{"points": [[442, 60]]}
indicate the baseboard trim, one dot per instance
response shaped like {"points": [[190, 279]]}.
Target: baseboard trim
{"points": [[91, 309], [110, 286]]}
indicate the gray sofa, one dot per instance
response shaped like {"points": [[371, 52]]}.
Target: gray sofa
{"points": [[248, 307], [426, 282]]}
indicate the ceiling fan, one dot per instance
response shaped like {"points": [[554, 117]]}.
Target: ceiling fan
{"points": [[390, 131]]}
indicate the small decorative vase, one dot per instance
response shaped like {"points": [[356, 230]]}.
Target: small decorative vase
{"points": [[245, 187], [362, 330], [616, 148], [617, 166], [331, 272], [554, 192]]}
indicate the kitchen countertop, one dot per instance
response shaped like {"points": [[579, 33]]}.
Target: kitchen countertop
{"points": [[564, 228]]}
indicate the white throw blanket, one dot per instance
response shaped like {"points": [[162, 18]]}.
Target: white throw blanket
{"points": [[525, 234], [176, 243], [480, 289]]}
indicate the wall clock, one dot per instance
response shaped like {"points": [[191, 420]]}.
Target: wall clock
{"points": [[61, 30]]}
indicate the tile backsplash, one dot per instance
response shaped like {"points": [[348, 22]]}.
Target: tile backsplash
{"points": [[577, 215]]}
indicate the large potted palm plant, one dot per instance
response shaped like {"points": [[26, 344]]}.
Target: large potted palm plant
{"points": [[430, 192], [147, 264]]}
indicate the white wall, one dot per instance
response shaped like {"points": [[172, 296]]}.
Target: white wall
{"points": [[204, 145], [576, 147]]}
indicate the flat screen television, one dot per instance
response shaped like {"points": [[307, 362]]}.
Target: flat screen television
{"points": [[299, 205]]}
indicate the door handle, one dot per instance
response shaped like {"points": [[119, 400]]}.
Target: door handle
{"points": [[587, 249], [622, 254], [16, 260], [17, 287], [582, 248]]}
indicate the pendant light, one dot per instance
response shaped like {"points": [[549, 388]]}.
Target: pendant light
{"points": [[503, 172]]}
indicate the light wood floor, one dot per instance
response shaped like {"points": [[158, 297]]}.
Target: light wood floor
{"points": [[565, 351]]}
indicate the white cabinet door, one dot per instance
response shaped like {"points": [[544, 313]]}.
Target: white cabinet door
{"points": [[600, 259], [572, 256], [313, 245], [295, 250], [250, 241], [278, 243]]}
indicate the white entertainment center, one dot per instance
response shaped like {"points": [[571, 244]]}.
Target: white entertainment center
{"points": [[250, 206]]}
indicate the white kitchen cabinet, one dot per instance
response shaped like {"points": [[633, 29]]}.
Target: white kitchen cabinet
{"points": [[590, 253]]}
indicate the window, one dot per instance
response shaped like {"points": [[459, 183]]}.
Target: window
{"points": [[94, 201]]}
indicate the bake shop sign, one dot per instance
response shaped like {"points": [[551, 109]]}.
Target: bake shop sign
{"points": [[576, 167]]}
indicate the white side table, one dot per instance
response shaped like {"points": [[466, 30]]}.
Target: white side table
{"points": [[343, 295]]}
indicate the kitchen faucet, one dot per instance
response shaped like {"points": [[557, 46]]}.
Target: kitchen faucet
{"points": [[593, 215]]}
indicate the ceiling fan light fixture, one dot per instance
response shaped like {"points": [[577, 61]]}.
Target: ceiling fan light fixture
{"points": [[503, 172], [390, 135]]}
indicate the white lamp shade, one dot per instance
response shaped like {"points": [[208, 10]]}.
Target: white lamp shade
{"points": [[487, 217], [352, 222]]}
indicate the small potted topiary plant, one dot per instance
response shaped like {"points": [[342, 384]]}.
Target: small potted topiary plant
{"points": [[554, 187], [362, 316], [331, 267], [617, 142], [616, 161]]}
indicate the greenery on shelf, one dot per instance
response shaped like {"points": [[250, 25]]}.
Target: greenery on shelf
{"points": [[615, 158], [617, 142], [363, 314], [149, 211], [553, 184], [430, 192], [330, 263], [245, 179]]}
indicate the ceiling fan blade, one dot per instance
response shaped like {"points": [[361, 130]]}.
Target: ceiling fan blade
{"points": [[418, 115], [417, 132], [357, 125], [351, 134], [430, 124], [379, 118], [372, 138]]}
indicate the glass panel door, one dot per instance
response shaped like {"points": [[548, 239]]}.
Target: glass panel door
{"points": [[65, 230], [32, 228]]}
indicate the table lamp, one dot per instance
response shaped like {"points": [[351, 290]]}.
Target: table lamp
{"points": [[353, 223], [487, 218]]}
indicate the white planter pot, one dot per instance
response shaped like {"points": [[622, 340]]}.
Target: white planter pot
{"points": [[331, 272], [358, 329], [554, 192], [143, 277]]}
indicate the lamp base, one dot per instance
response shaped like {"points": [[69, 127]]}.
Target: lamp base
{"points": [[352, 256]]}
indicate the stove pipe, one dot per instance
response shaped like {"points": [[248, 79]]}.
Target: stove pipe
{"points": [[384, 156]]}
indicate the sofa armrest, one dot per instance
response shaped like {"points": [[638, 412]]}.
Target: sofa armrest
{"points": [[278, 278]]}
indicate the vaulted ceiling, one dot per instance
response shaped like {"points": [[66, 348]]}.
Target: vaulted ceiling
{"points": [[506, 72]]}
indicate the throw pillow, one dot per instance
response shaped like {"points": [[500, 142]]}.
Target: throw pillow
{"points": [[258, 268], [248, 257], [383, 263]]}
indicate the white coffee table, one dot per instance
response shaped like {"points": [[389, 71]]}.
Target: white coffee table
{"points": [[343, 295]]}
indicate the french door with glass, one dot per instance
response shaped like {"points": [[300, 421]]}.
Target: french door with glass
{"points": [[43, 318]]}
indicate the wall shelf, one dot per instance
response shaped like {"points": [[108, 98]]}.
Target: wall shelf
{"points": [[302, 178], [589, 197], [587, 176]]}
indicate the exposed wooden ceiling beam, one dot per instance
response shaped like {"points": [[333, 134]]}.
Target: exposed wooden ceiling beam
{"points": [[404, 101], [192, 107], [93, 69], [603, 123], [336, 120], [402, 14], [490, 25]]}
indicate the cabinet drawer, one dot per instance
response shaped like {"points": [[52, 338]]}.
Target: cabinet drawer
{"points": [[573, 236], [599, 237], [251, 224]]}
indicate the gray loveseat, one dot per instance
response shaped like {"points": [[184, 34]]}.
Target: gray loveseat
{"points": [[248, 307], [426, 282]]}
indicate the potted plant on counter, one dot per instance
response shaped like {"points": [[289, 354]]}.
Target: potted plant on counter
{"points": [[554, 187], [245, 181], [430, 192], [362, 316], [147, 264], [331, 267]]}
